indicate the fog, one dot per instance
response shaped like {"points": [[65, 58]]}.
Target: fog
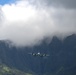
{"points": [[28, 22]]}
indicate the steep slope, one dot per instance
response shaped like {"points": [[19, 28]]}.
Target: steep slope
{"points": [[5, 70], [62, 59]]}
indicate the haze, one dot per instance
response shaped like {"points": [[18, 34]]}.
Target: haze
{"points": [[27, 22]]}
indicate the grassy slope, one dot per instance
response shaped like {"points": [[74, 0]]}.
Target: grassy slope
{"points": [[5, 70]]}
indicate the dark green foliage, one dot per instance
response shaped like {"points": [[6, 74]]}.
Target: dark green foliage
{"points": [[62, 59], [5, 70]]}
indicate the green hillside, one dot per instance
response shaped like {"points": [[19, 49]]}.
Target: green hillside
{"points": [[5, 70]]}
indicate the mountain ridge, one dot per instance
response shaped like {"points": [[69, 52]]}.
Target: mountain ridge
{"points": [[62, 59]]}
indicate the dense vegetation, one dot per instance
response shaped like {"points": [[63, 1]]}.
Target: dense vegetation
{"points": [[62, 59], [5, 70]]}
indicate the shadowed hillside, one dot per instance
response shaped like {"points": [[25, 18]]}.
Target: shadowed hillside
{"points": [[62, 59]]}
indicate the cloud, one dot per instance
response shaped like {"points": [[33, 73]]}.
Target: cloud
{"points": [[26, 24], [71, 4]]}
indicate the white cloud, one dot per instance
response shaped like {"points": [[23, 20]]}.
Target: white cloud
{"points": [[26, 25]]}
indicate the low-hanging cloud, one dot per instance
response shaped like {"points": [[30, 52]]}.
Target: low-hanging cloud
{"points": [[26, 24]]}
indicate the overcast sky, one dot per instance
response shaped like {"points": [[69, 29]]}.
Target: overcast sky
{"points": [[27, 22]]}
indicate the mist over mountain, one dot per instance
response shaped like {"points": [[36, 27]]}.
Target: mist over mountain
{"points": [[28, 22], [45, 26], [62, 59]]}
